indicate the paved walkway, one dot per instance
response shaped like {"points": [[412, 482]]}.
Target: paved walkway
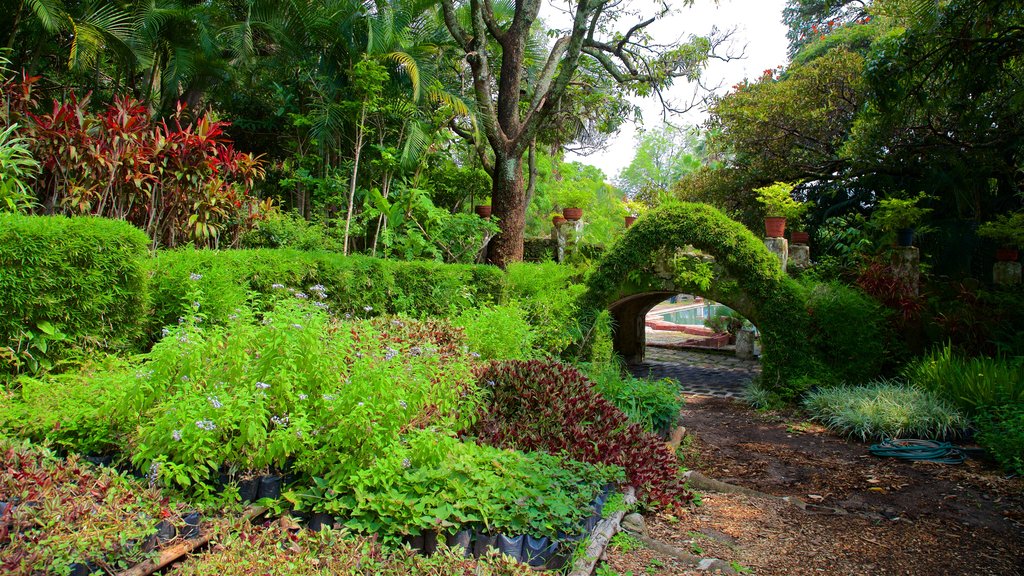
{"points": [[697, 372]]}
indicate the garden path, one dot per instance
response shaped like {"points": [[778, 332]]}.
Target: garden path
{"points": [[698, 373]]}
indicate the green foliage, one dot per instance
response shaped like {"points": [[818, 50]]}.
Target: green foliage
{"points": [[1006, 229], [625, 543], [17, 168], [969, 383], [654, 404], [548, 292], [356, 285], [897, 213], [728, 323], [849, 331], [761, 397], [778, 201], [1001, 432], [248, 547], [663, 156], [290, 230], [497, 332], [884, 409], [67, 286]]}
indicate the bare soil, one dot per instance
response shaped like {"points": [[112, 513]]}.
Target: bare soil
{"points": [[897, 517]]}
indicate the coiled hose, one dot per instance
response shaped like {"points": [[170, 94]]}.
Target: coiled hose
{"points": [[927, 450]]}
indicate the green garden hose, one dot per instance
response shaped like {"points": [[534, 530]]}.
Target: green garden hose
{"points": [[927, 450]]}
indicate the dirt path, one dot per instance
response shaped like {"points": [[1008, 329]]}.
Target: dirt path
{"points": [[904, 518]]}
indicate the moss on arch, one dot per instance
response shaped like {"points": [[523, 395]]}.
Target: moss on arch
{"points": [[748, 278]]}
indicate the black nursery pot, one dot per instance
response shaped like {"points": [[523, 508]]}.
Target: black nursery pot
{"points": [[83, 568], [511, 546], [414, 542], [429, 542], [269, 487], [538, 551], [100, 460], [319, 521], [461, 539], [481, 542], [249, 489], [565, 546], [165, 531], [191, 530]]}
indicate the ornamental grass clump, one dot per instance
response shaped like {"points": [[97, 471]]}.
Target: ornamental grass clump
{"points": [[548, 406], [884, 409], [970, 383]]}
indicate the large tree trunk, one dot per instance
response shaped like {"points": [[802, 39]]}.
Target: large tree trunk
{"points": [[508, 203]]}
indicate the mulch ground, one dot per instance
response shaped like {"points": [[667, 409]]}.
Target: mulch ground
{"points": [[911, 518]]}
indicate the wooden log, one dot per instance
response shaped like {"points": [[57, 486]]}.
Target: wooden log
{"points": [[601, 536], [173, 553]]}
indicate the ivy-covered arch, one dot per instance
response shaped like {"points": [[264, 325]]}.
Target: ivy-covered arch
{"points": [[647, 264]]}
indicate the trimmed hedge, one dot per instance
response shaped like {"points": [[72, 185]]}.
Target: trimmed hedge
{"points": [[357, 285], [68, 285]]}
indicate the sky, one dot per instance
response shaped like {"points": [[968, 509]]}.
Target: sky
{"points": [[759, 34]]}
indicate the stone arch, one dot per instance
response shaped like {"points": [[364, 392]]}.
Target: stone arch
{"points": [[739, 271]]}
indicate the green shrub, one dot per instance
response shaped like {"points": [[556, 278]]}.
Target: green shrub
{"points": [[497, 332], [884, 409], [762, 398], [848, 331], [290, 230], [654, 404], [969, 383], [68, 285], [1001, 432], [548, 292], [355, 285]]}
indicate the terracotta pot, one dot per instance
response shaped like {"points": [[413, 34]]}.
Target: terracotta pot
{"points": [[774, 227], [558, 220], [630, 220], [799, 237], [572, 214], [1006, 254], [483, 211]]}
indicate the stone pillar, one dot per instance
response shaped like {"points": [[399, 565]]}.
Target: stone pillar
{"points": [[779, 247], [799, 257], [558, 237], [745, 344], [1006, 273], [906, 265]]}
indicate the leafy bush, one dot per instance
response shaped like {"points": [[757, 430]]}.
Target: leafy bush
{"points": [[884, 409], [761, 398], [548, 292], [969, 383], [497, 332], [545, 405], [654, 404], [17, 167], [848, 330], [434, 482], [1001, 432], [68, 285], [247, 549], [66, 512], [290, 230]]}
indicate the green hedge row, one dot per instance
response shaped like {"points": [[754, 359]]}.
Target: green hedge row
{"points": [[67, 285], [358, 285], [73, 285]]}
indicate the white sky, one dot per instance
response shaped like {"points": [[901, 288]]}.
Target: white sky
{"points": [[759, 29]]}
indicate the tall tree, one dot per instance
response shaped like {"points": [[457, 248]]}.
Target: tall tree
{"points": [[512, 113]]}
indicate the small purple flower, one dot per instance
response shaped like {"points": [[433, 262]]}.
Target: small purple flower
{"points": [[301, 295], [262, 385], [303, 396], [195, 277], [277, 286], [176, 435], [195, 305], [328, 397], [360, 404], [207, 425], [321, 305], [368, 308], [165, 332], [396, 323], [403, 404], [184, 378], [391, 353], [214, 402], [406, 463], [348, 316], [279, 421], [491, 383], [183, 339], [297, 326], [474, 354], [154, 474]]}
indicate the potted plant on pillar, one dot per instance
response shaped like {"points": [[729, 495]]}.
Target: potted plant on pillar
{"points": [[1008, 232], [632, 210], [483, 209], [573, 200], [902, 216], [779, 206]]}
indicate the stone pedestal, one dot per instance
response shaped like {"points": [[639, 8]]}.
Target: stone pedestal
{"points": [[779, 247], [906, 266], [745, 344], [558, 236], [799, 257], [1006, 273]]}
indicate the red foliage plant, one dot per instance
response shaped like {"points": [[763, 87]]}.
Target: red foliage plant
{"points": [[879, 280], [548, 406], [179, 181]]}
